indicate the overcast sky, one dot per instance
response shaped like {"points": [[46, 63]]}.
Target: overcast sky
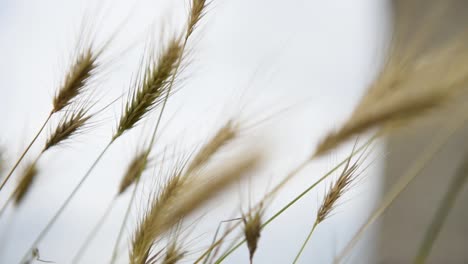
{"points": [[302, 63]]}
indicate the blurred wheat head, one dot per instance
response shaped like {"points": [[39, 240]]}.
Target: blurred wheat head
{"points": [[423, 75]]}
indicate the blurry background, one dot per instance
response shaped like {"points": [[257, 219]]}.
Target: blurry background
{"points": [[406, 221], [302, 65]]}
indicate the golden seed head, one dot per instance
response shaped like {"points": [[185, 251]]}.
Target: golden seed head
{"points": [[25, 183], [76, 80], [149, 91], [196, 14], [69, 125], [252, 230], [224, 135], [134, 170]]}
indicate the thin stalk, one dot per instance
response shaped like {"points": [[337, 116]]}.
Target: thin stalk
{"points": [[115, 251], [442, 213], [305, 243], [153, 139], [171, 84], [426, 157], [92, 234], [25, 151], [311, 187], [51, 222]]}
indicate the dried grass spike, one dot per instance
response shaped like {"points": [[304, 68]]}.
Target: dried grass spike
{"points": [[149, 90], [411, 82], [337, 190], [207, 186], [221, 138], [134, 170], [252, 230], [69, 125], [76, 80], [180, 196], [334, 193], [197, 12], [397, 107], [25, 183], [148, 230]]}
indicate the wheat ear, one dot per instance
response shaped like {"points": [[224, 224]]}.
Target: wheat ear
{"points": [[197, 12], [81, 70], [335, 192], [428, 154], [294, 172], [252, 229], [24, 185], [144, 99]]}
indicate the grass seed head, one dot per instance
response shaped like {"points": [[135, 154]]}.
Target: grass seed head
{"points": [[197, 11], [134, 170], [336, 190], [252, 230], [25, 183], [149, 91], [70, 124], [224, 135], [149, 228], [76, 80]]}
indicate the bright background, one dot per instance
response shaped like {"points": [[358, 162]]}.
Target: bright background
{"points": [[301, 64]]}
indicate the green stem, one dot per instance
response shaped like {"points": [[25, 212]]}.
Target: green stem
{"points": [[282, 210], [442, 213], [305, 243], [52, 221]]}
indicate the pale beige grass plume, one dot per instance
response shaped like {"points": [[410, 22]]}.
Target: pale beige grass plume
{"points": [[411, 84]]}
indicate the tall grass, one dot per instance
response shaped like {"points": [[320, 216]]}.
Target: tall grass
{"points": [[408, 89]]}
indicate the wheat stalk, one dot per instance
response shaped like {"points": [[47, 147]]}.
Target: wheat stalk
{"points": [[150, 89], [144, 99], [334, 193], [225, 134], [196, 14], [428, 154], [70, 124], [181, 195], [290, 175], [83, 67]]}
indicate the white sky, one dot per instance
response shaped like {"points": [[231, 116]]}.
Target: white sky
{"points": [[312, 57]]}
